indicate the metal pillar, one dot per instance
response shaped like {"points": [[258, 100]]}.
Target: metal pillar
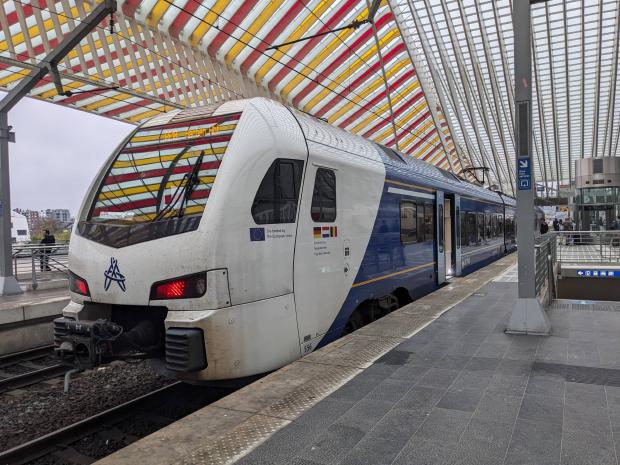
{"points": [[528, 317], [8, 283]]}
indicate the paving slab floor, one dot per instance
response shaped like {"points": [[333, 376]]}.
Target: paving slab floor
{"points": [[461, 391]]}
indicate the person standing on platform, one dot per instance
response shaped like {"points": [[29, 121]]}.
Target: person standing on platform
{"points": [[568, 226], [544, 228], [556, 224], [48, 239]]}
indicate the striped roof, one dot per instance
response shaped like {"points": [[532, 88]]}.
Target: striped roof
{"points": [[169, 54]]}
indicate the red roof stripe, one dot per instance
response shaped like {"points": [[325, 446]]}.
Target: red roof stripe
{"points": [[330, 24], [231, 25], [210, 165], [373, 102], [360, 40], [361, 79], [183, 18], [272, 35]]}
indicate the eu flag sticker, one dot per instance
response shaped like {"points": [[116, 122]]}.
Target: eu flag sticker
{"points": [[257, 234]]}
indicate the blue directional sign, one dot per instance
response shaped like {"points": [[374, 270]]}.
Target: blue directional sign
{"points": [[524, 174], [598, 273]]}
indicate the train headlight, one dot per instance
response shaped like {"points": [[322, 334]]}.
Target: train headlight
{"points": [[184, 287], [78, 285]]}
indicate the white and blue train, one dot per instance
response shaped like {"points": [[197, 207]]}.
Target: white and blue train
{"points": [[230, 240]]}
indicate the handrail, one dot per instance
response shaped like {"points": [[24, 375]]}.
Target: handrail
{"points": [[38, 262]]}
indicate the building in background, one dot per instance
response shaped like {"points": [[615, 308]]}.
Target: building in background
{"points": [[33, 216], [61, 215], [20, 232]]}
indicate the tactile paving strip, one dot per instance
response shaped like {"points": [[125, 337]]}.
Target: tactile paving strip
{"points": [[396, 325], [581, 374], [360, 352], [236, 442], [593, 307], [305, 396]]}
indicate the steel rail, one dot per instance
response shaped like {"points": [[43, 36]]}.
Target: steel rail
{"points": [[69, 434], [25, 355], [32, 377]]}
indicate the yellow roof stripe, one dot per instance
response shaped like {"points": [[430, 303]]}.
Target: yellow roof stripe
{"points": [[143, 188], [164, 158], [156, 13], [211, 18], [382, 109], [252, 30], [322, 56], [368, 89], [369, 55], [305, 25]]}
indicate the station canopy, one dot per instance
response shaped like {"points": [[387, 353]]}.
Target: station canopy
{"points": [[432, 78]]}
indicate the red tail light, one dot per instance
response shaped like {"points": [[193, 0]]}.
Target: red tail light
{"points": [[185, 287], [78, 285]]}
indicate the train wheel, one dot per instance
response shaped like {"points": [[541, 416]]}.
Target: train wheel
{"points": [[354, 323]]}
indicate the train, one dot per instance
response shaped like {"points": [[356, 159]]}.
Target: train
{"points": [[224, 242]]}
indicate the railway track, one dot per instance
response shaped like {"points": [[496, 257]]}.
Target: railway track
{"points": [[93, 438], [29, 367]]}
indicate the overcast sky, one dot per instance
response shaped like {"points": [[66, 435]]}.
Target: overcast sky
{"points": [[58, 152]]}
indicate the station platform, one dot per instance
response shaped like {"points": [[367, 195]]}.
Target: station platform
{"points": [[435, 382], [25, 319]]}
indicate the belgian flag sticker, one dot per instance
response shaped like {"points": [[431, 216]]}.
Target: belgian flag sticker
{"points": [[325, 232]]}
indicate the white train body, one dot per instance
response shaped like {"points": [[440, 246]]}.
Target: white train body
{"points": [[273, 289]]}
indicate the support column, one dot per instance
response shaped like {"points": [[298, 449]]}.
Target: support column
{"points": [[8, 283], [528, 316]]}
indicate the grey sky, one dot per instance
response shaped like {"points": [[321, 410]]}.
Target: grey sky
{"points": [[58, 152]]}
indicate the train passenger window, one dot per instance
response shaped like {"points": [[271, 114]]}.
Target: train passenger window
{"points": [[429, 222], [323, 207], [487, 224], [408, 222], [458, 226], [500, 225], [472, 235], [464, 231], [480, 227], [277, 196]]}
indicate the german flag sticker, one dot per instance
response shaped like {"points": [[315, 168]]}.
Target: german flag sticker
{"points": [[317, 233]]}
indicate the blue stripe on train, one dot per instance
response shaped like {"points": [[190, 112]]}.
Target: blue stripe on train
{"points": [[388, 265]]}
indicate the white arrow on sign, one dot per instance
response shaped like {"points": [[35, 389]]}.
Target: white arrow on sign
{"points": [[580, 273], [523, 163]]}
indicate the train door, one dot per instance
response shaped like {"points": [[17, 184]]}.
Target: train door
{"points": [[321, 252], [457, 235], [449, 228], [441, 255]]}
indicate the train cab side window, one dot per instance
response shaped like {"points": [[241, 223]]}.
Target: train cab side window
{"points": [[480, 228], [277, 196], [408, 222], [323, 207]]}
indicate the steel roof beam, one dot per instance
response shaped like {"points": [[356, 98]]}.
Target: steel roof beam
{"points": [[468, 90]]}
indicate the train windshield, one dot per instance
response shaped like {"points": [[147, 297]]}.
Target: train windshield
{"points": [[164, 172]]}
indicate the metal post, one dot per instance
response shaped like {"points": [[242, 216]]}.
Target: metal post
{"points": [[8, 283], [528, 317]]}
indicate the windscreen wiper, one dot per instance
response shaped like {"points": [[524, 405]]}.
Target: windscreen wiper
{"points": [[191, 184], [183, 190]]}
